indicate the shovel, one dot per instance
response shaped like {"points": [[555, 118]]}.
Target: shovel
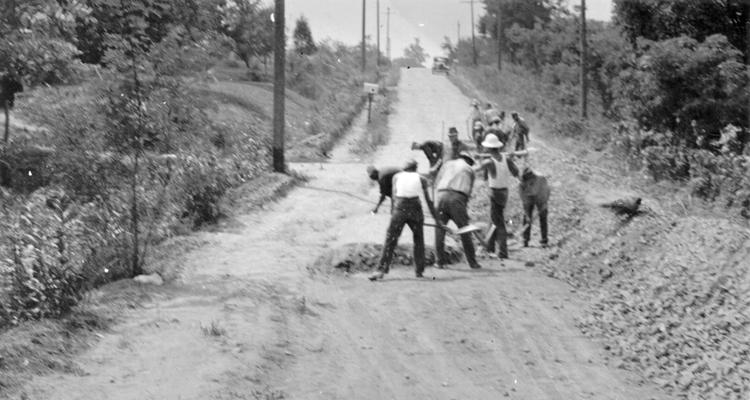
{"points": [[466, 229]]}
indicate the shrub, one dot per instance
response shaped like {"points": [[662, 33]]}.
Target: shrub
{"points": [[49, 244], [689, 87]]}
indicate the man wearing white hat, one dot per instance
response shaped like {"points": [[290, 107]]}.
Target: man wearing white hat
{"points": [[500, 168]]}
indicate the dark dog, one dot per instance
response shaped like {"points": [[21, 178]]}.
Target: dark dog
{"points": [[535, 192]]}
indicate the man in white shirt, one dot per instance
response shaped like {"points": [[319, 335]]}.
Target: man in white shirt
{"points": [[500, 168], [407, 210], [454, 185]]}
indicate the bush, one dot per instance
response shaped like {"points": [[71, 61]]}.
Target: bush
{"points": [[687, 87], [48, 244], [205, 185]]}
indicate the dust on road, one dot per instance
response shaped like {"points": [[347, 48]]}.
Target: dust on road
{"points": [[503, 331]]}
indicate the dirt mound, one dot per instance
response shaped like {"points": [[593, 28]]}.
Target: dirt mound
{"points": [[363, 257], [670, 296]]}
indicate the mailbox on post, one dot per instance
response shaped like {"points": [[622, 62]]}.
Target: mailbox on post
{"points": [[371, 89]]}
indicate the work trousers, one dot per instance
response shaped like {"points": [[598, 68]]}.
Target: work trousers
{"points": [[406, 211], [520, 143], [529, 203], [451, 205], [498, 200]]}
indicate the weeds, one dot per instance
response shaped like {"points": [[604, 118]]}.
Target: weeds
{"points": [[213, 329]]}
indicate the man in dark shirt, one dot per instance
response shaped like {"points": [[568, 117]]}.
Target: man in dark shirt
{"points": [[384, 177], [456, 145], [520, 132], [432, 149]]}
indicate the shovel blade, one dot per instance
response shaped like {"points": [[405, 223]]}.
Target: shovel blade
{"points": [[467, 229]]}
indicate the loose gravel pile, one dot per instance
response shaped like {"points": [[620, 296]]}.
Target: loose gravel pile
{"points": [[364, 257], [672, 297]]}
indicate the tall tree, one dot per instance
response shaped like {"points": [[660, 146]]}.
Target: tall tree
{"points": [[250, 27], [35, 46], [523, 13], [303, 40], [664, 19], [415, 52]]}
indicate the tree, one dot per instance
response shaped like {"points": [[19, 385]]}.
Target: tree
{"points": [[691, 88], [524, 13], [35, 46], [303, 40], [249, 26], [664, 19], [448, 48], [415, 53]]}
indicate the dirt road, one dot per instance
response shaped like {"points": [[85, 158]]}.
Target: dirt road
{"points": [[282, 330]]}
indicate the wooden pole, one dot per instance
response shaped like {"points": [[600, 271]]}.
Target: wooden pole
{"points": [[473, 40], [6, 136], [377, 21], [364, 52], [584, 80], [388, 33], [499, 40], [279, 85]]}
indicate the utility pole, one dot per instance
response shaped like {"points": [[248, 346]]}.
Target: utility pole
{"points": [[377, 10], [473, 40], [388, 33], [364, 51], [584, 80], [499, 40], [279, 83]]}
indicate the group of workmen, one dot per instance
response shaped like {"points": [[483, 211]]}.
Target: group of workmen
{"points": [[452, 173]]}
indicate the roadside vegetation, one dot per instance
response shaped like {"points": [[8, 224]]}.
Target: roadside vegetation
{"points": [[130, 122], [668, 119]]}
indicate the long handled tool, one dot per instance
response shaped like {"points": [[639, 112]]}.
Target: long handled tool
{"points": [[461, 231], [468, 229]]}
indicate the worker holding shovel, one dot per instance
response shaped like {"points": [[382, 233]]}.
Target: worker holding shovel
{"points": [[407, 210], [500, 168], [454, 185]]}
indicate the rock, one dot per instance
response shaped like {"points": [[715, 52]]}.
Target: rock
{"points": [[628, 205], [150, 279]]}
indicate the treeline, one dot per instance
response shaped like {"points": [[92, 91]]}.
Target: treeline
{"points": [[131, 151], [672, 77]]}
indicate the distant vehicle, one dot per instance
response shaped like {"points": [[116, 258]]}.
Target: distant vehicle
{"points": [[441, 65]]}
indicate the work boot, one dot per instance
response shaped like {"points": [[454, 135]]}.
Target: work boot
{"points": [[475, 266], [419, 275], [526, 243], [376, 275]]}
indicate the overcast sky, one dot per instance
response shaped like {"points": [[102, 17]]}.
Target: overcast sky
{"points": [[429, 20]]}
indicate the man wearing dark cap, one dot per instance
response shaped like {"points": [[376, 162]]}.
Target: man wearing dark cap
{"points": [[451, 151], [454, 185], [456, 145], [384, 178], [407, 210]]}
